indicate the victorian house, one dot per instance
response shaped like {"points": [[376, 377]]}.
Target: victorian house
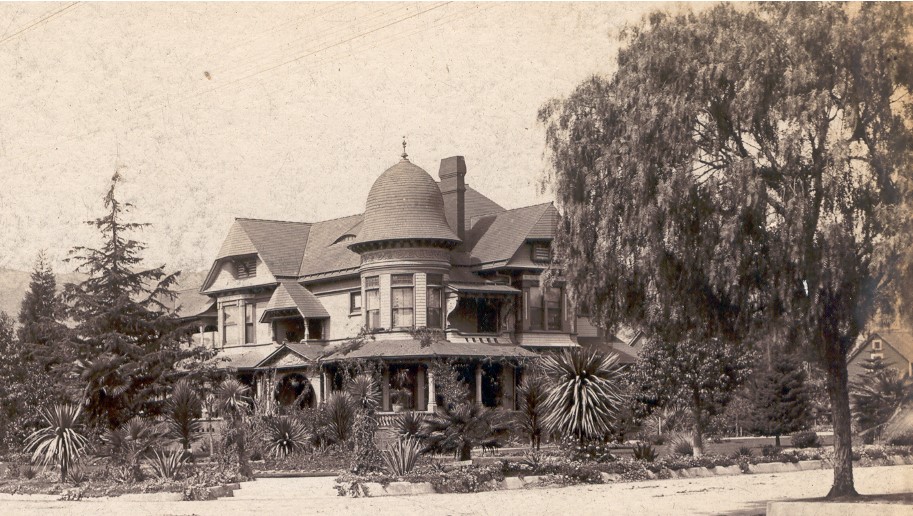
{"points": [[289, 305]]}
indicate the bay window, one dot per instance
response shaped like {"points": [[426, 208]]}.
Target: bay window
{"points": [[230, 324], [545, 308], [372, 302]]}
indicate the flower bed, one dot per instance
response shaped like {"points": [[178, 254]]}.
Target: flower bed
{"points": [[330, 461]]}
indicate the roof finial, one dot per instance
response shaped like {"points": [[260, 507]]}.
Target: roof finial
{"points": [[405, 156]]}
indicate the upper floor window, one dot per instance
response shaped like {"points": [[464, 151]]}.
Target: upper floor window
{"points": [[372, 302], [230, 324], [876, 345], [250, 323], [402, 300], [354, 302], [545, 308], [246, 268], [435, 301], [541, 252]]}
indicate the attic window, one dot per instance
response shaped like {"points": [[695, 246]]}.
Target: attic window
{"points": [[246, 268], [876, 345], [541, 252], [345, 238]]}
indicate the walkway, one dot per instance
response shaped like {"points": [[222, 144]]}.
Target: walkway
{"points": [[743, 494]]}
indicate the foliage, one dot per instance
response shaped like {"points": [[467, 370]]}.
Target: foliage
{"points": [[744, 452], [763, 178], [41, 310], [681, 445], [182, 413], [167, 465], [127, 445], [532, 394], [699, 375], [401, 456], [644, 452], [340, 417], [450, 387], [409, 425], [806, 440], [367, 456], [60, 441], [876, 395], [126, 342], [589, 451], [769, 450], [459, 429], [285, 435], [584, 395], [779, 398], [365, 392], [234, 402]]}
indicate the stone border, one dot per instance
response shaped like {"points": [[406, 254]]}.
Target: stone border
{"points": [[835, 509]]}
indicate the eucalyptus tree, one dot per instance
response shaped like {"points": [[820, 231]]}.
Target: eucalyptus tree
{"points": [[744, 171]]}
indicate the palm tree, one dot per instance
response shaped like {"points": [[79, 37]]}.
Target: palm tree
{"points": [[463, 427], [585, 394], [234, 403], [532, 393], [60, 441], [183, 410]]}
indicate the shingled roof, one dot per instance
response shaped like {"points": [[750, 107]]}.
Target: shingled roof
{"points": [[495, 238], [412, 348], [323, 255], [291, 295]]}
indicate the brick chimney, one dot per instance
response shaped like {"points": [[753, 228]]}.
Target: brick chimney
{"points": [[453, 188]]}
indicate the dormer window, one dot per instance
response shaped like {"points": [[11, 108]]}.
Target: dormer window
{"points": [[246, 268], [348, 237], [541, 252]]}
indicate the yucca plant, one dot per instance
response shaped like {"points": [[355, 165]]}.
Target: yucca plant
{"points": [[182, 412], [644, 452], [167, 464], [402, 455], [681, 445], [744, 452], [285, 435], [60, 441], [340, 416], [365, 392], [585, 394], [461, 428], [233, 398], [409, 424]]}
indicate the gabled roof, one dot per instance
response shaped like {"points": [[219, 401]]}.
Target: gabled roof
{"points": [[900, 340], [190, 303], [291, 295], [322, 257], [306, 354], [412, 348], [279, 244], [494, 239]]}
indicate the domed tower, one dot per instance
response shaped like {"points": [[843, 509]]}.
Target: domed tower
{"points": [[404, 244]]}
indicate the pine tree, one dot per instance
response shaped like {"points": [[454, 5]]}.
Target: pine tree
{"points": [[877, 394], [780, 398], [127, 342], [40, 314]]}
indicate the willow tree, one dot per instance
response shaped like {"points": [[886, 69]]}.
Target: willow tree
{"points": [[744, 171]]}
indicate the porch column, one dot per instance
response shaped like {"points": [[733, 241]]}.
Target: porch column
{"points": [[420, 388], [202, 336], [385, 390], [327, 384], [508, 387], [432, 395], [478, 384], [314, 380]]}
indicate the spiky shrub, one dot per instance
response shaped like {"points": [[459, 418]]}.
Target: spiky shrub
{"points": [[285, 435], [401, 456], [365, 392], [234, 402], [182, 412], [167, 464], [340, 417], [744, 452], [644, 452], [681, 445], [585, 394], [126, 446], [459, 429], [59, 442], [409, 424], [532, 394]]}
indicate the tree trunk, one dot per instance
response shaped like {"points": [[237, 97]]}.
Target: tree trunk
{"points": [[777, 440], [697, 441], [466, 452], [838, 390]]}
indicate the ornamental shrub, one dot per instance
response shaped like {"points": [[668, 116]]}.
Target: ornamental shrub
{"points": [[806, 440]]}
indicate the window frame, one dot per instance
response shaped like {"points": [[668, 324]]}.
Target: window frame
{"points": [[372, 288], [395, 288], [434, 283], [540, 314], [245, 268], [877, 345], [538, 247], [250, 326], [355, 294], [233, 326]]}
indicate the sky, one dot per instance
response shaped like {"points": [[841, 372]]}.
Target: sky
{"points": [[212, 111]]}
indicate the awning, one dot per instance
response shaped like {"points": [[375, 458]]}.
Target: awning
{"points": [[289, 295], [483, 288]]}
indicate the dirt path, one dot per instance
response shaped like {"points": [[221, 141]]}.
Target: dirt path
{"points": [[743, 494]]}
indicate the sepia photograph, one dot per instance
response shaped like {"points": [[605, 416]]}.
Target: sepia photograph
{"points": [[456, 258]]}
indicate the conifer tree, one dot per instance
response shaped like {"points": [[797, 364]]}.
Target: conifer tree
{"points": [[126, 342], [40, 314], [876, 395], [780, 398]]}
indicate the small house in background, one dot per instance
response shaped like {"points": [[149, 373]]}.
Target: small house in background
{"points": [[893, 346], [432, 271]]}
